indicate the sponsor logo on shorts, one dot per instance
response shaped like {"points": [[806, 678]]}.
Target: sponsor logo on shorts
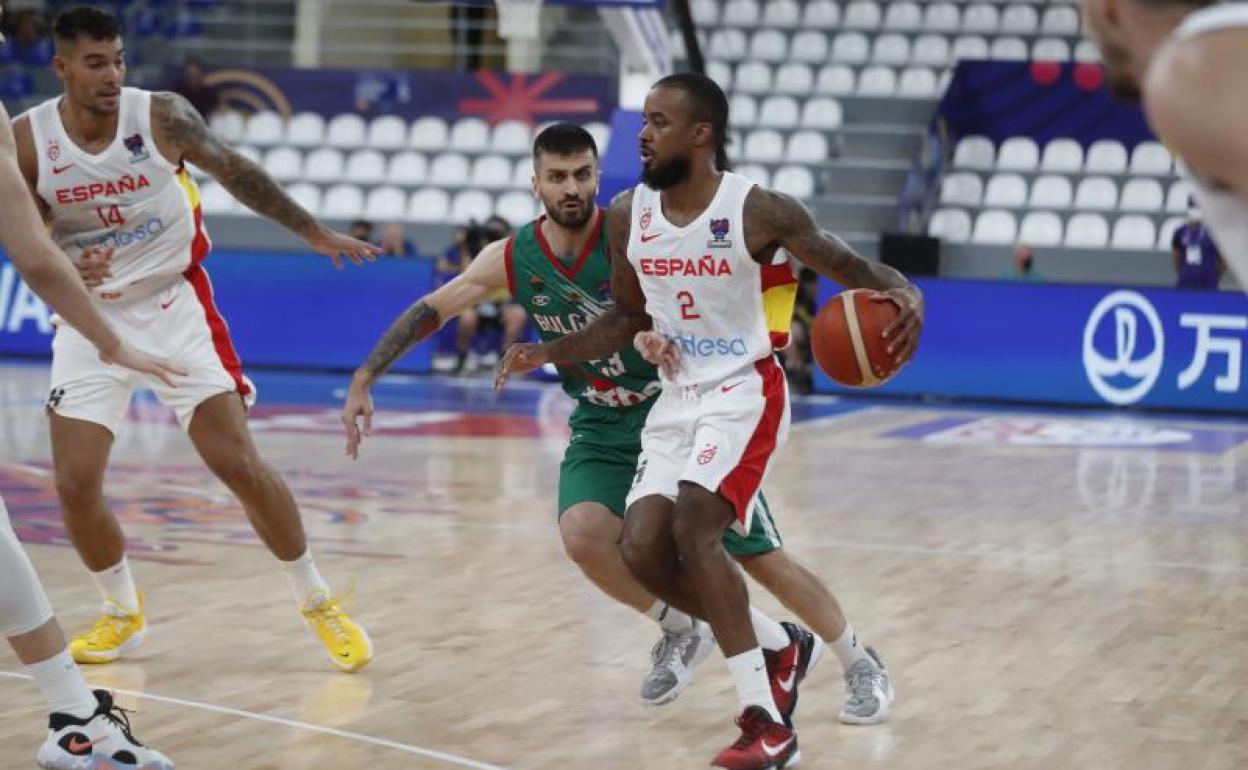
{"points": [[54, 398], [707, 454]]}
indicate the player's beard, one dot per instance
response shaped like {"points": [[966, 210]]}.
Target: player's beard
{"points": [[670, 174], [571, 221]]}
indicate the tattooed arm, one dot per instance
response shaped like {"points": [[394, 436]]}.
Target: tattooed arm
{"points": [[182, 135], [775, 220], [485, 276]]}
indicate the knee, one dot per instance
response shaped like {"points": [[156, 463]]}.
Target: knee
{"points": [[79, 488], [695, 536], [642, 555], [583, 548], [241, 471]]}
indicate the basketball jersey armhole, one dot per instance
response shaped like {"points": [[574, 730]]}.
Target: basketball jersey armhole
{"points": [[507, 263]]}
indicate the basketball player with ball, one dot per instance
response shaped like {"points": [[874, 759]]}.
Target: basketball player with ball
{"points": [[690, 252]]}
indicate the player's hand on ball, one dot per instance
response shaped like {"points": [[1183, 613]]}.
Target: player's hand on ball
{"points": [[336, 245], [656, 348], [903, 333], [95, 265], [358, 406], [521, 358], [144, 363]]}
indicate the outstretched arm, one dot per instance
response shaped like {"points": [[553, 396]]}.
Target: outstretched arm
{"points": [[182, 134], [776, 219]]}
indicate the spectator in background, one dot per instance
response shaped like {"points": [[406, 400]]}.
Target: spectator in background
{"points": [[192, 84], [498, 314], [1024, 265], [361, 230], [395, 243], [797, 356], [1197, 262]]}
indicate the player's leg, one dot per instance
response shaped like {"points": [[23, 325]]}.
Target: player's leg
{"points": [[218, 430], [591, 534], [469, 322], [79, 726]]}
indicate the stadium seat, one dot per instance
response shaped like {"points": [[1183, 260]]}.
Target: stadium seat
{"points": [[285, 164], [807, 147], [953, 225], [522, 174], [450, 170], [345, 131], [264, 129], [1051, 192], [995, 227], [388, 132], [753, 77], [343, 201], [786, 14], [835, 80], [1143, 195], [1087, 52], [511, 137], [769, 45], [1178, 196], [1133, 231], [764, 146], [862, 14], [1009, 49], [367, 166], [981, 18], [1060, 20], [471, 206], [969, 47], [323, 165], [821, 14], [742, 111], [215, 199], [962, 188], [794, 180], [892, 49], [518, 208], [848, 48], [429, 205], [903, 16], [755, 173], [975, 152], [917, 82], [812, 47], [1041, 228], [386, 202], [470, 135], [228, 124], [1089, 231], [822, 114], [429, 134], [1106, 156], [491, 172], [1006, 191], [1020, 20], [306, 129], [794, 78], [729, 44], [306, 195], [1063, 156], [1151, 158], [1096, 193], [248, 152], [877, 81], [779, 112], [721, 73], [942, 17], [1165, 233], [930, 51], [1018, 153], [740, 13], [1051, 49], [705, 12], [407, 168]]}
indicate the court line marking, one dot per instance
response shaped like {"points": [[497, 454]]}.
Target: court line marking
{"points": [[385, 743]]}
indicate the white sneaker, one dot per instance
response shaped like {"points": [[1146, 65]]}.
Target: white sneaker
{"points": [[101, 742], [868, 691], [674, 658]]}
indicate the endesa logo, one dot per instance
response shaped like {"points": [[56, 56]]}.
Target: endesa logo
{"points": [[120, 238], [88, 192], [666, 267], [705, 347]]}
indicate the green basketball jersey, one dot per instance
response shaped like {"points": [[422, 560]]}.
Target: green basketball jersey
{"points": [[562, 297]]}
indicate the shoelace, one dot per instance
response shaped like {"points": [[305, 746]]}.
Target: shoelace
{"points": [[120, 717], [106, 623], [331, 615], [676, 645], [751, 728], [862, 682]]}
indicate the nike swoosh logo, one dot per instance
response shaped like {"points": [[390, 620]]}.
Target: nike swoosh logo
{"points": [[165, 305], [59, 169], [78, 746], [787, 684], [727, 388], [647, 237], [773, 751]]}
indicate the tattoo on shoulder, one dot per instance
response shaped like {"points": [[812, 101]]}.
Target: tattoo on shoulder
{"points": [[178, 121]]}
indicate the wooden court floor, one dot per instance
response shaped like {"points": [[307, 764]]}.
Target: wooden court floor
{"points": [[1050, 590]]}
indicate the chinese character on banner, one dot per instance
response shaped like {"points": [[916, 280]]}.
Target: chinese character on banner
{"points": [[1231, 346]]}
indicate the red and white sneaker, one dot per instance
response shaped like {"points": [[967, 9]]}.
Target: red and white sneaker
{"points": [[763, 745], [788, 667]]}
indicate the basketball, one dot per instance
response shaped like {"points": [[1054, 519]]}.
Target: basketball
{"points": [[847, 339]]}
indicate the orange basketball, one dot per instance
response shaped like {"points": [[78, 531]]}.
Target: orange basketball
{"points": [[847, 339]]}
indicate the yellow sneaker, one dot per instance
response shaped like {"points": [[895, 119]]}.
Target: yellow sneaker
{"points": [[345, 640], [113, 635]]}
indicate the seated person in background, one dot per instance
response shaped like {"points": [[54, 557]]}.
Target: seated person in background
{"points": [[797, 356], [500, 313], [395, 243], [362, 230], [1023, 269], [1197, 262], [195, 88]]}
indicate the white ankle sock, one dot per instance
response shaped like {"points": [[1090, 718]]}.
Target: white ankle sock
{"points": [[668, 617], [63, 686], [847, 648], [116, 585], [771, 635], [749, 672], [305, 580]]}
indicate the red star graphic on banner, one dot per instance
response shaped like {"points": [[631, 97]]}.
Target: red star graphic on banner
{"points": [[517, 99]]}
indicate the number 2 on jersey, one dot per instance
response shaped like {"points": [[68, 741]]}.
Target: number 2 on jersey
{"points": [[110, 216], [686, 305]]}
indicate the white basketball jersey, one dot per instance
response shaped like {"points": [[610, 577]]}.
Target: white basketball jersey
{"points": [[1225, 213], [128, 197], [702, 287]]}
